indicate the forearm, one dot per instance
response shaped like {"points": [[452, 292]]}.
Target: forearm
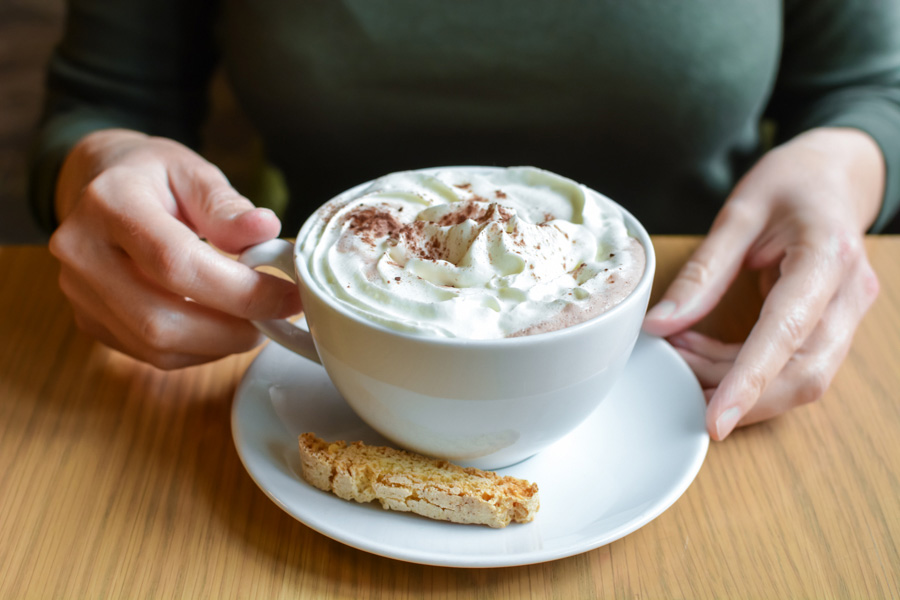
{"points": [[840, 68]]}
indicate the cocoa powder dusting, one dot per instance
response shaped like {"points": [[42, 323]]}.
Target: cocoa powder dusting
{"points": [[470, 211], [371, 223], [434, 250], [476, 211]]}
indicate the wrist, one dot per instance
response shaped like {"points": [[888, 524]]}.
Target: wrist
{"points": [[857, 158]]}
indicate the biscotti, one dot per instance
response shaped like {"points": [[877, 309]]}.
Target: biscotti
{"points": [[408, 482]]}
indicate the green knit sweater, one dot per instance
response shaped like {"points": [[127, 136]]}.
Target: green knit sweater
{"points": [[657, 104]]}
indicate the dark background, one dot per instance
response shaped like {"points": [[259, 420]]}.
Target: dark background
{"points": [[28, 31]]}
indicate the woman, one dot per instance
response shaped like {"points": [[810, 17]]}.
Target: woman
{"points": [[658, 105]]}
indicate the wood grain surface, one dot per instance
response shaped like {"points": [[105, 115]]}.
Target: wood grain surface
{"points": [[121, 481]]}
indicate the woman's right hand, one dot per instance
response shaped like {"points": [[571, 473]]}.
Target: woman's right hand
{"points": [[134, 212]]}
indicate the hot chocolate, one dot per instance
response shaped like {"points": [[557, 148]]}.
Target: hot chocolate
{"points": [[473, 253]]}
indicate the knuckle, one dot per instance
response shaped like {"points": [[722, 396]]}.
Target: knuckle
{"points": [[850, 243], [791, 327], [158, 331], [223, 199], [97, 194], [755, 380], [97, 187], [813, 384], [871, 285], [794, 327], [695, 272], [868, 283], [59, 243], [71, 248], [106, 199], [847, 246], [831, 245]]}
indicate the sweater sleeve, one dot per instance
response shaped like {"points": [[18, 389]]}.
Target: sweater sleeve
{"points": [[142, 65], [841, 68]]}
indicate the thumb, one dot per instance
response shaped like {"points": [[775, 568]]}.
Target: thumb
{"points": [[217, 212], [707, 274]]}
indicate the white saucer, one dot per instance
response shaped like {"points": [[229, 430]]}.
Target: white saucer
{"points": [[630, 461]]}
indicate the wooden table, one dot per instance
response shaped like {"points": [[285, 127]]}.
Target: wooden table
{"points": [[121, 481]]}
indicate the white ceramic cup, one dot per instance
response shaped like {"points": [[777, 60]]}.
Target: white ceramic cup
{"points": [[482, 403]]}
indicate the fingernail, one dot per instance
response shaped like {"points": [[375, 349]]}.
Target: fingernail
{"points": [[247, 211], [663, 310], [726, 422]]}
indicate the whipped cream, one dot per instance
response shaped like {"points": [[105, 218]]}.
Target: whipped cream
{"points": [[472, 253]]}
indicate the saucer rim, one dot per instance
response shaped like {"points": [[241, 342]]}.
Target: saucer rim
{"points": [[263, 474]]}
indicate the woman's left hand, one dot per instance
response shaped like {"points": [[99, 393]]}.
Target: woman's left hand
{"points": [[798, 217]]}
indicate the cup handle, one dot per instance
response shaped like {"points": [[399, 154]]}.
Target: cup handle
{"points": [[279, 254]]}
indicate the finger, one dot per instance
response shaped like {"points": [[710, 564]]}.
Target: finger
{"points": [[809, 278], [809, 373], [164, 322], [94, 318], [216, 210], [705, 346], [166, 361], [705, 277], [173, 256], [708, 372], [108, 288]]}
